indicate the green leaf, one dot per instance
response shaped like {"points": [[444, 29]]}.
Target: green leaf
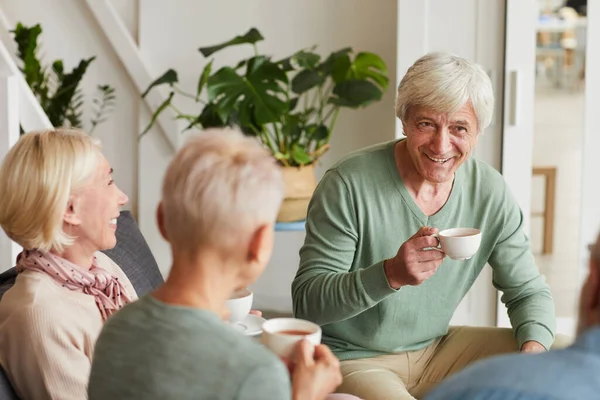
{"points": [[261, 68], [169, 77], [317, 132], [104, 102], [283, 157], [203, 79], [58, 68], [307, 113], [369, 65], [240, 64], [26, 40], [255, 63], [270, 110], [64, 100], [248, 128], [286, 64], [365, 60], [299, 156], [356, 93], [307, 59], [73, 113], [291, 129], [258, 91], [223, 83], [158, 111], [341, 68], [208, 118], [338, 101], [226, 108], [188, 117], [246, 117], [293, 103], [251, 37], [290, 63], [306, 80], [306, 56], [328, 64]]}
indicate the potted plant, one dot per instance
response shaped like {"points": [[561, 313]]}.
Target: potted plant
{"points": [[57, 90], [290, 105]]}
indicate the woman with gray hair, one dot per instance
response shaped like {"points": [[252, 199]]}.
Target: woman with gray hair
{"points": [[60, 203], [220, 198], [372, 272]]}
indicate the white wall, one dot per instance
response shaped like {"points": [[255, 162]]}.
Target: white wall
{"points": [[71, 33], [287, 27]]}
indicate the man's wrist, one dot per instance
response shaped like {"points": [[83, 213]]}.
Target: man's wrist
{"points": [[388, 267], [535, 332], [532, 346]]}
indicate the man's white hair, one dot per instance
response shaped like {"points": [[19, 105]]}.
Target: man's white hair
{"points": [[220, 187], [444, 83]]}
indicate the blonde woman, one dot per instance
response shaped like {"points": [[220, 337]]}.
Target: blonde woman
{"points": [[220, 198], [60, 203]]}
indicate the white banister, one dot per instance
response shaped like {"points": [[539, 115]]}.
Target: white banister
{"points": [[129, 53], [31, 113], [9, 134], [18, 105]]}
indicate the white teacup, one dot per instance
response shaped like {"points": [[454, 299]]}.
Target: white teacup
{"points": [[281, 335], [239, 305], [459, 243]]}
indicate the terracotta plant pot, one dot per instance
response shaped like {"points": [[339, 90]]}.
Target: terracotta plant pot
{"points": [[300, 183]]}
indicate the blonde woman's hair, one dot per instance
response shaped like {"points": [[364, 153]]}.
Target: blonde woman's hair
{"points": [[444, 83], [220, 187], [37, 176]]}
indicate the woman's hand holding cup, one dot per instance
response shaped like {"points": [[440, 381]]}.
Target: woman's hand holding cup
{"points": [[316, 372], [314, 369]]}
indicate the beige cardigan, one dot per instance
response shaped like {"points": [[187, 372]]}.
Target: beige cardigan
{"points": [[48, 333]]}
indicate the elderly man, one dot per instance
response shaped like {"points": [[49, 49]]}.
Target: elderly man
{"points": [[571, 373], [367, 273]]}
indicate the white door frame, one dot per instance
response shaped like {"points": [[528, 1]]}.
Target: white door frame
{"points": [[590, 195], [517, 118]]}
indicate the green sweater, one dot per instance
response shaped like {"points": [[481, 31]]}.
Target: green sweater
{"points": [[152, 350], [360, 215]]}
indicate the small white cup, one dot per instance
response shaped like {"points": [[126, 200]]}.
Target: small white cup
{"points": [[239, 305], [459, 243], [281, 335]]}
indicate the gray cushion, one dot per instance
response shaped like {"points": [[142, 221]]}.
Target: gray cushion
{"points": [[6, 390], [131, 253], [7, 279]]}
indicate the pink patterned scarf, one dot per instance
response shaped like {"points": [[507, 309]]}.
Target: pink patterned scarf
{"points": [[107, 290]]}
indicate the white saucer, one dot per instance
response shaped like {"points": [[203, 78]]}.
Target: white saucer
{"points": [[251, 325]]}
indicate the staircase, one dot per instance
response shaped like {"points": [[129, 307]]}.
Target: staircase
{"points": [[18, 105]]}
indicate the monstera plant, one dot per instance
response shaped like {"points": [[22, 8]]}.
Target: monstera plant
{"points": [[289, 104], [57, 90]]}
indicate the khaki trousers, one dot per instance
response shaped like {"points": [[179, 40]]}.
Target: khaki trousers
{"points": [[412, 374]]}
